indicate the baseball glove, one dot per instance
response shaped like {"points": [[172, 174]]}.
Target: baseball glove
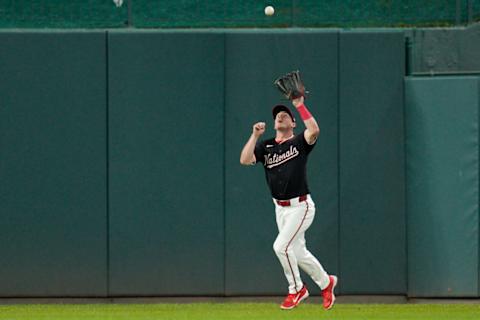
{"points": [[291, 85]]}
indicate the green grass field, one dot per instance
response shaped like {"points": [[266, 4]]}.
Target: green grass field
{"points": [[250, 311]]}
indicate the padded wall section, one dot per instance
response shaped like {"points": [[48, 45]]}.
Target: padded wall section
{"points": [[442, 161], [53, 164], [253, 61], [372, 178], [166, 163]]}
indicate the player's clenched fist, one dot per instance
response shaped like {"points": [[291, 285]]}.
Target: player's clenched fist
{"points": [[258, 129]]}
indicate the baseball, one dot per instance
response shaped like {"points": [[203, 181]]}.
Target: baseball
{"points": [[269, 11]]}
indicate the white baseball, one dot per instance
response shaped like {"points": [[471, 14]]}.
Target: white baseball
{"points": [[269, 11]]}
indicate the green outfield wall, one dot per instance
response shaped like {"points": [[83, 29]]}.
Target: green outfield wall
{"points": [[372, 162], [442, 148], [53, 173], [166, 164], [120, 165]]}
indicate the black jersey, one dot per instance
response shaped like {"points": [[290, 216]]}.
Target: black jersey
{"points": [[285, 166]]}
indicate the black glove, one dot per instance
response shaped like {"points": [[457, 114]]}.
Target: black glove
{"points": [[291, 85]]}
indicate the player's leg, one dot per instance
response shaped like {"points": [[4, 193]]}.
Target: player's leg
{"points": [[308, 263], [306, 260], [294, 222]]}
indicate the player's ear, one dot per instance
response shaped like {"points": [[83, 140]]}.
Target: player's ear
{"points": [[294, 124]]}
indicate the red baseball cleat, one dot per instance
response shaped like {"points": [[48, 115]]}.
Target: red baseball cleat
{"points": [[293, 299], [328, 294]]}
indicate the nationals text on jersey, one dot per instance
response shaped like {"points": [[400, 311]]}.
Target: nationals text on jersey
{"points": [[276, 159]]}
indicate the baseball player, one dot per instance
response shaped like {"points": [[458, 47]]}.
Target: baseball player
{"points": [[284, 159]]}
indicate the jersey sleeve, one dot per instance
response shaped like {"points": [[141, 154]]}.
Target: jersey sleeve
{"points": [[259, 151], [308, 147]]}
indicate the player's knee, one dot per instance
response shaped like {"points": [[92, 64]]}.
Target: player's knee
{"points": [[279, 247]]}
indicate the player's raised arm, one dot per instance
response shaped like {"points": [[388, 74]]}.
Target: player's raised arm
{"points": [[247, 157], [313, 130]]}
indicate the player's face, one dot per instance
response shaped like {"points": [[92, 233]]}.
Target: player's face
{"points": [[283, 121]]}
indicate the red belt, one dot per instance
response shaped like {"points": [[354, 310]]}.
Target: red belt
{"points": [[286, 203]]}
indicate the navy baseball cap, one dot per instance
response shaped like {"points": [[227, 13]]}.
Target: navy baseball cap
{"points": [[280, 107]]}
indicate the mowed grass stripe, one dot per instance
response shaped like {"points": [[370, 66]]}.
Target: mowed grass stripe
{"points": [[249, 311]]}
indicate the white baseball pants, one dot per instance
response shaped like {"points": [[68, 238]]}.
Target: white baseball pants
{"points": [[290, 246]]}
